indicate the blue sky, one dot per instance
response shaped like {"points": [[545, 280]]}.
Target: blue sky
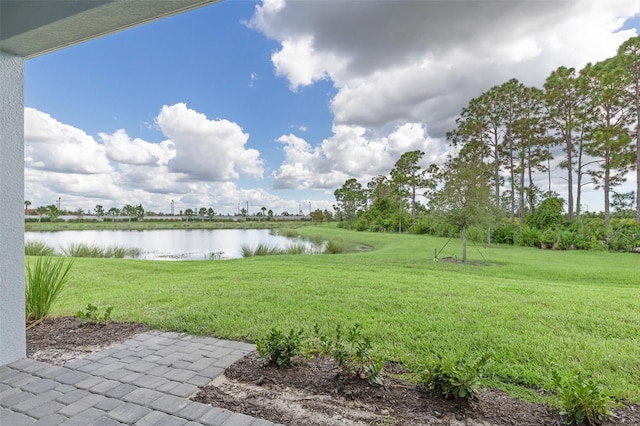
{"points": [[276, 103]]}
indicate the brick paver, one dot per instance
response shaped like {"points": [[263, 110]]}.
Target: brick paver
{"points": [[145, 380]]}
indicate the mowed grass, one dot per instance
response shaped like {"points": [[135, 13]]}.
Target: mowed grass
{"points": [[532, 311]]}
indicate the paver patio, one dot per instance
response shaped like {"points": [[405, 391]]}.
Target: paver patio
{"points": [[146, 380]]}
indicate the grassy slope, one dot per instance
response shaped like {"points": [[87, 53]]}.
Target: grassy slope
{"points": [[532, 310]]}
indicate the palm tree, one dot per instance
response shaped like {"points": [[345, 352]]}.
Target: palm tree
{"points": [[27, 203]]}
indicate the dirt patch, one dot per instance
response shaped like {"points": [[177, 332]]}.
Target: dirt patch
{"points": [[311, 394], [59, 340]]}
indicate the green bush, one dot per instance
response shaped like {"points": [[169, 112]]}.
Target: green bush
{"points": [[423, 225], [527, 237], [624, 235], [350, 352], [279, 348], [451, 378], [583, 401], [92, 315], [352, 355], [503, 235], [548, 238], [45, 279]]}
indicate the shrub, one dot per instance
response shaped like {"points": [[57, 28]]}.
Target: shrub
{"points": [[624, 235], [527, 237], [548, 238], [279, 348], [91, 315], [317, 343], [37, 248], [45, 279], [503, 234], [548, 214], [451, 378], [352, 355], [423, 225], [583, 401]]}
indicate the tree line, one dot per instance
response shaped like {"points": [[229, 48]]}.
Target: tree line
{"points": [[502, 152]]}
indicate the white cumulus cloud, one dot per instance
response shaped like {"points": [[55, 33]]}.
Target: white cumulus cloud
{"points": [[121, 148], [57, 147], [212, 150], [350, 152], [422, 61]]}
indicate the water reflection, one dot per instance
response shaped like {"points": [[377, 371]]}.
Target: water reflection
{"points": [[173, 244]]}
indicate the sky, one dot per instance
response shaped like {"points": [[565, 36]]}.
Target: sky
{"points": [[276, 103]]}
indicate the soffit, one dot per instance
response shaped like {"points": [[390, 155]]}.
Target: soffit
{"points": [[29, 28]]}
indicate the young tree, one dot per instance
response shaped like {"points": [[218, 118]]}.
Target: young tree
{"points": [[41, 211], [317, 216], [139, 211], [351, 199], [465, 197], [113, 212], [129, 211], [52, 212], [210, 213]]}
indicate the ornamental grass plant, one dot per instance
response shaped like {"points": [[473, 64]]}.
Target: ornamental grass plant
{"points": [[46, 277]]}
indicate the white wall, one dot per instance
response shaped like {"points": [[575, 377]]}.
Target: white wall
{"points": [[12, 315]]}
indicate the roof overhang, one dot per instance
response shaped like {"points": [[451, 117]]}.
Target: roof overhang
{"points": [[29, 28]]}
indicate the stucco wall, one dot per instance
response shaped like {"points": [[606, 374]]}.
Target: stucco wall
{"points": [[12, 327]]}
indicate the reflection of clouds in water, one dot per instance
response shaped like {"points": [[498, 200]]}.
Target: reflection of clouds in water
{"points": [[175, 244]]}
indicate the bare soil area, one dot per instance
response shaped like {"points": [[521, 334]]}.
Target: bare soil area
{"points": [[312, 394]]}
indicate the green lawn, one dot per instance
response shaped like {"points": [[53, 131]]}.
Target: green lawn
{"points": [[531, 310]]}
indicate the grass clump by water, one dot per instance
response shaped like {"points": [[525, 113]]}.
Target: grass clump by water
{"points": [[259, 250], [45, 279], [296, 248], [38, 248], [92, 250], [340, 245], [266, 250]]}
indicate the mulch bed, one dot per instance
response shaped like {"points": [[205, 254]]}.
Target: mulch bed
{"points": [[395, 403]]}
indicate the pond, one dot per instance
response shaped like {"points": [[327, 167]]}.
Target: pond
{"points": [[173, 244]]}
